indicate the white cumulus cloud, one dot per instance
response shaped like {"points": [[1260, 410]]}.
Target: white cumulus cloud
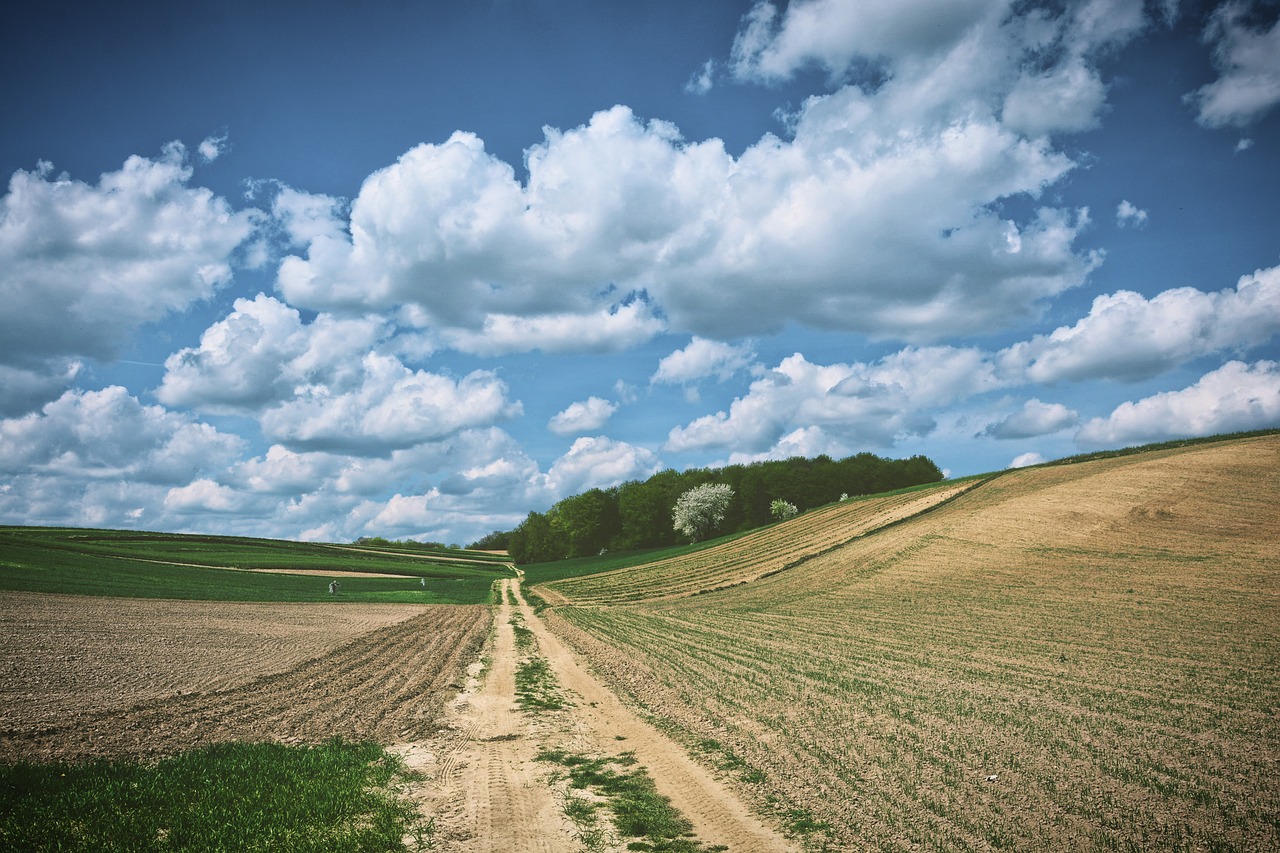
{"points": [[83, 265], [1033, 419], [703, 359], [1248, 63], [852, 404], [1129, 214], [110, 434], [1129, 337], [586, 416], [599, 462], [390, 407], [1235, 397]]}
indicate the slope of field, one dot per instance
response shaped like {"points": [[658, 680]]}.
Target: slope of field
{"points": [[752, 556], [89, 677], [1081, 657], [224, 568]]}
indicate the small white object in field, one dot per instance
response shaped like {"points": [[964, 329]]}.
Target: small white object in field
{"points": [[992, 777]]}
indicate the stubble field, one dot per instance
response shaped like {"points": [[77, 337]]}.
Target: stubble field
{"points": [[1080, 657]]}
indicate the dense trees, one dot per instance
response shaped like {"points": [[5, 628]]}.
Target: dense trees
{"points": [[638, 515]]}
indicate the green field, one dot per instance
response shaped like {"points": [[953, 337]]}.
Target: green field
{"points": [[246, 797], [224, 568]]}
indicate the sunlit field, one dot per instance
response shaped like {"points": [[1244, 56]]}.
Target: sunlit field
{"points": [[1071, 657]]}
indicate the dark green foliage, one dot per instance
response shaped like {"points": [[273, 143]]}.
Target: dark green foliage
{"points": [[251, 797], [495, 541], [637, 515]]}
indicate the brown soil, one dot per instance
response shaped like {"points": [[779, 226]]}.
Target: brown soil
{"points": [[484, 788], [89, 677], [1078, 657], [488, 793]]}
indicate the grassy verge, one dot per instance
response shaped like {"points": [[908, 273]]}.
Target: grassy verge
{"points": [[536, 685], [338, 796], [639, 812]]}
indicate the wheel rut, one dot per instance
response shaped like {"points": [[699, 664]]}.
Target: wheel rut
{"points": [[486, 790]]}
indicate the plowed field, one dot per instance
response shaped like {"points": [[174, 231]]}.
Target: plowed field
{"points": [[1080, 657], [753, 556], [87, 677]]}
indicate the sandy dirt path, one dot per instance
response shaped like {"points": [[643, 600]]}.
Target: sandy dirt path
{"points": [[487, 793], [484, 788], [717, 815]]}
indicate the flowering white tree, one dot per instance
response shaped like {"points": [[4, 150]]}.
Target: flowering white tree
{"points": [[782, 510], [699, 510]]}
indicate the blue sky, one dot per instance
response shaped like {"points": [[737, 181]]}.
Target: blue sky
{"points": [[407, 269]]}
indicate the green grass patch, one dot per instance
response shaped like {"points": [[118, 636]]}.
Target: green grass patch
{"points": [[639, 812], [536, 686], [337, 796], [204, 568]]}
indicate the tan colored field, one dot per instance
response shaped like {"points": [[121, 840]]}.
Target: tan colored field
{"points": [[753, 556], [1083, 657], [92, 676]]}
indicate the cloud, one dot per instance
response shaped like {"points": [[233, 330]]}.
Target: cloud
{"points": [[83, 265], [1129, 337], [1235, 397], [837, 34], [852, 404], [24, 390], [203, 496], [587, 416], [1127, 214], [281, 471], [702, 80], [612, 329], [389, 406], [109, 434], [1026, 459], [703, 359], [599, 463], [1070, 98], [261, 352], [1248, 62], [212, 147], [1034, 419], [878, 216]]}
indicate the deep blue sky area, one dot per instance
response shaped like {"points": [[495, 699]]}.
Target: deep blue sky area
{"points": [[283, 269]]}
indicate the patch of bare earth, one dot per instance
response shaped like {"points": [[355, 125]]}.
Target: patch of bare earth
{"points": [[89, 677], [488, 792], [1079, 657]]}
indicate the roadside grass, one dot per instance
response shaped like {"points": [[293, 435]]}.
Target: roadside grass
{"points": [[141, 565], [537, 688], [337, 796], [639, 812]]}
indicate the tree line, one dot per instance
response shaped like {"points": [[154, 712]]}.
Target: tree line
{"points": [[638, 514]]}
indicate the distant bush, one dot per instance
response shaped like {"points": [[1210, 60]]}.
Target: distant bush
{"points": [[700, 510], [782, 510]]}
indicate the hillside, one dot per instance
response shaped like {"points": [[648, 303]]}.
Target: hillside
{"points": [[1068, 657]]}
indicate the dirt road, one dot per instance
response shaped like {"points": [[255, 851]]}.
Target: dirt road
{"points": [[488, 792]]}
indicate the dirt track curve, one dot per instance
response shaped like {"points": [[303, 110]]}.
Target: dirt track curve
{"points": [[488, 793]]}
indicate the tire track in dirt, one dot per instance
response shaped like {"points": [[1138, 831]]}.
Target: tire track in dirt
{"points": [[485, 789], [718, 816]]}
